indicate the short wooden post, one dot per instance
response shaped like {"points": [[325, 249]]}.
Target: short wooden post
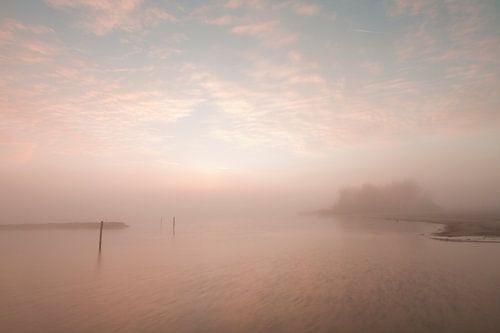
{"points": [[100, 236]]}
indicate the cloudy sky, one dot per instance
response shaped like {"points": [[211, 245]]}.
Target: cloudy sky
{"points": [[197, 102]]}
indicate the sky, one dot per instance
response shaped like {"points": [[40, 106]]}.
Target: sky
{"points": [[132, 109]]}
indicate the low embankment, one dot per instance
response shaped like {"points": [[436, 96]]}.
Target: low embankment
{"points": [[63, 226]]}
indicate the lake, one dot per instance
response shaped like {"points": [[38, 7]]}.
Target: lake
{"points": [[279, 275]]}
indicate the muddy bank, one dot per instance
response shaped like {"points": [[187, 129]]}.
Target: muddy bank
{"points": [[457, 227], [480, 232], [460, 230]]}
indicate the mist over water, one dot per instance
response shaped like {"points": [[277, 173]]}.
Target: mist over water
{"points": [[403, 197], [248, 275], [267, 128]]}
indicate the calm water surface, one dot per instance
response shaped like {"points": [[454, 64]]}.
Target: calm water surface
{"points": [[248, 276]]}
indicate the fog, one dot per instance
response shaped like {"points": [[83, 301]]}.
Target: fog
{"points": [[249, 166], [71, 187], [64, 193], [399, 197]]}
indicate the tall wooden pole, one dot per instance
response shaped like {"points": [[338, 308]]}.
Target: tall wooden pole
{"points": [[173, 226], [100, 236]]}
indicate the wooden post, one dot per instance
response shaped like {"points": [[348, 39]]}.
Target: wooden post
{"points": [[100, 236], [173, 226]]}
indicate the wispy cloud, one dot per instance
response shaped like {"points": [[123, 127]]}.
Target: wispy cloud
{"points": [[286, 86], [101, 17], [24, 43], [221, 20], [269, 32], [10, 26], [306, 8], [368, 31], [62, 99], [409, 7], [259, 19]]}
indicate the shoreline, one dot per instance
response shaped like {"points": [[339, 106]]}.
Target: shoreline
{"points": [[462, 231], [461, 239], [454, 228], [472, 232]]}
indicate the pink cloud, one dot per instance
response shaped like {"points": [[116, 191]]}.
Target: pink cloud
{"points": [[284, 99], [408, 7], [466, 18], [221, 20], [372, 68], [103, 16], [269, 32], [26, 43], [10, 27], [233, 4], [255, 29], [306, 9]]}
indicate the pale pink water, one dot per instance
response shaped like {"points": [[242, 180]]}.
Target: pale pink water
{"points": [[307, 275]]}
